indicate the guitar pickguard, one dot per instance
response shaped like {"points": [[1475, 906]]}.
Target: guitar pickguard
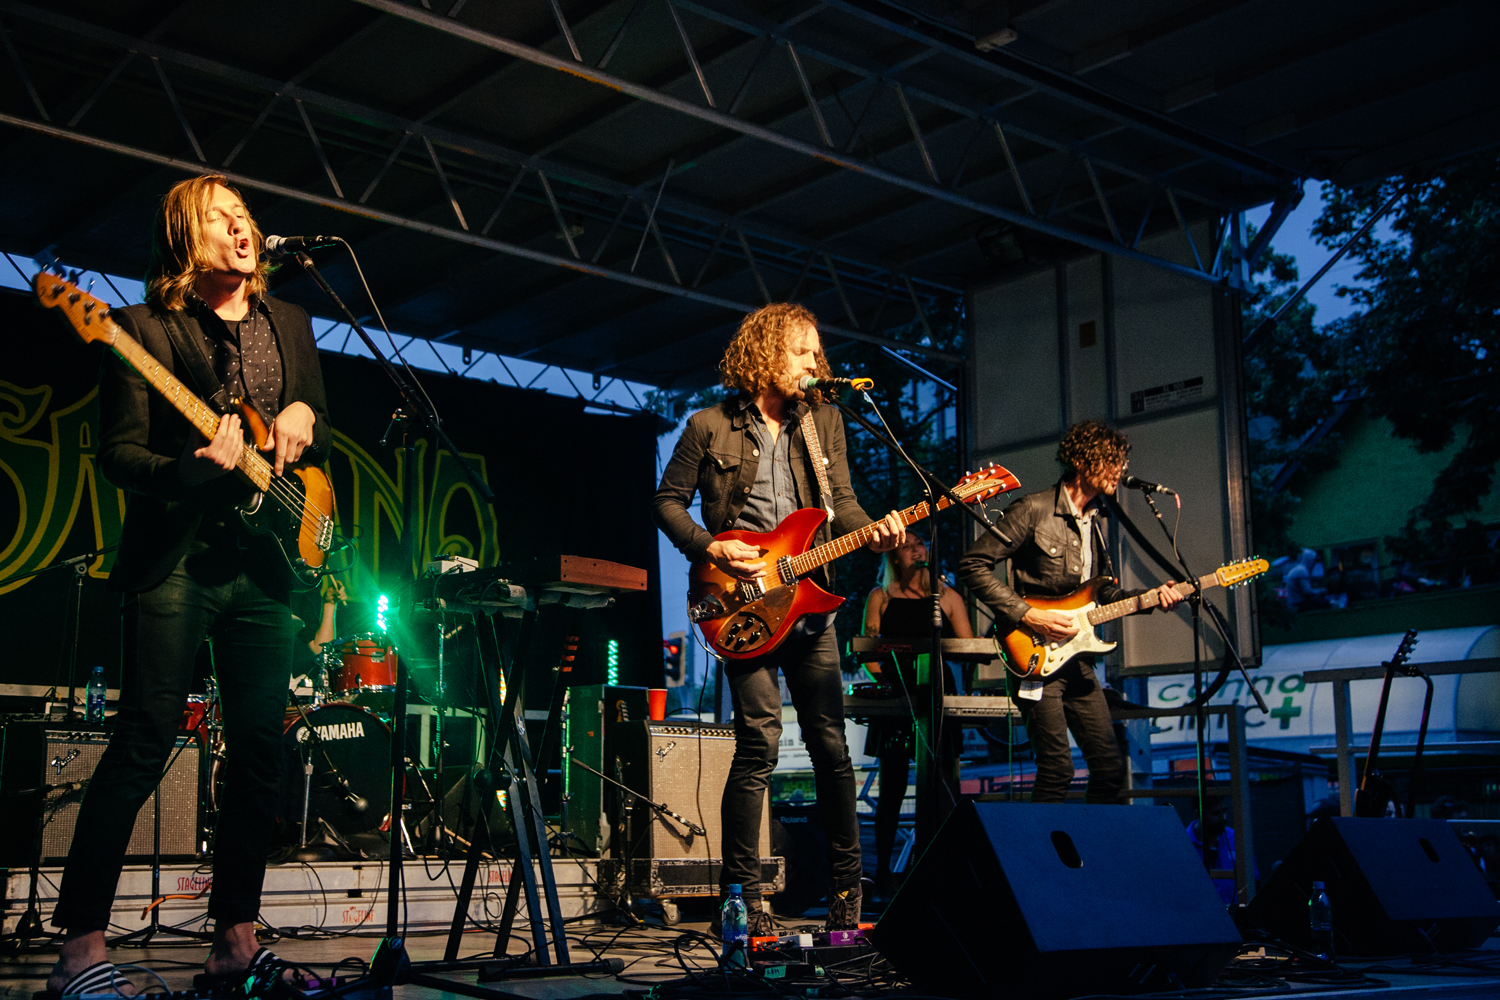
{"points": [[753, 625]]}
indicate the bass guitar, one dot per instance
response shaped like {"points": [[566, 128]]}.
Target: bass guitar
{"points": [[745, 618], [1029, 654], [1376, 795], [292, 512]]}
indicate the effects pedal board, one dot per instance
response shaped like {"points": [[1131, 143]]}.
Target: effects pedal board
{"points": [[807, 956]]}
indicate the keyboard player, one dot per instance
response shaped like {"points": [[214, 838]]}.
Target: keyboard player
{"points": [[901, 607]]}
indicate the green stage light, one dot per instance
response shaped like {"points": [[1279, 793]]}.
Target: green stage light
{"points": [[613, 662]]}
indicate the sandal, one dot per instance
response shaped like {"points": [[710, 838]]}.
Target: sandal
{"points": [[260, 962], [102, 979]]}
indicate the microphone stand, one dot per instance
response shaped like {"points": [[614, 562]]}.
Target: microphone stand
{"points": [[929, 809], [415, 404], [80, 564], [1200, 701]]}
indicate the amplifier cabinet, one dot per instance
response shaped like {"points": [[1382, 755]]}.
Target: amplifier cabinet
{"points": [[595, 713], [656, 878], [682, 765], [44, 772]]}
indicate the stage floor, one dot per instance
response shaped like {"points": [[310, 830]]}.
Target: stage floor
{"points": [[338, 912], [650, 959]]}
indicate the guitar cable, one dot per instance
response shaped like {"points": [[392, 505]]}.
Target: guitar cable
{"points": [[390, 339]]}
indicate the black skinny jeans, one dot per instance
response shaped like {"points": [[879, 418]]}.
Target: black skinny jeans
{"points": [[208, 594], [811, 666], [1072, 700]]}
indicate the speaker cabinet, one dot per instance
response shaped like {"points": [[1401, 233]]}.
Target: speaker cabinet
{"points": [[684, 766], [1396, 885], [44, 772], [594, 713], [1056, 901]]}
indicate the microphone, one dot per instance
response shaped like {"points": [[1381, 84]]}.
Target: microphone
{"points": [[1145, 487], [860, 384], [280, 246]]}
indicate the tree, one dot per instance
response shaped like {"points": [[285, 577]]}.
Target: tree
{"points": [[1422, 349]]}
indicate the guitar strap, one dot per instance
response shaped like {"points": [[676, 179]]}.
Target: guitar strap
{"points": [[815, 452], [195, 355]]}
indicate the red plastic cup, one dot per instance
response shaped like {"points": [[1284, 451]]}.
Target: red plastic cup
{"points": [[656, 703]]}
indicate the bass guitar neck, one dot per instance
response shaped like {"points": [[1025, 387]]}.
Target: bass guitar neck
{"points": [[294, 512]]}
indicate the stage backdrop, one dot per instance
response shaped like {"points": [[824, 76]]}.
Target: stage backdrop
{"points": [[566, 482]]}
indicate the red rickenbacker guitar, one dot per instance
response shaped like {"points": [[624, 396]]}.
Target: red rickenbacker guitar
{"points": [[291, 511], [745, 618]]}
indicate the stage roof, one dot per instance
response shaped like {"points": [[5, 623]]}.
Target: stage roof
{"points": [[609, 184]]}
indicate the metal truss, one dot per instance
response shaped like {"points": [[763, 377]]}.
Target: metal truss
{"points": [[828, 152], [465, 166]]}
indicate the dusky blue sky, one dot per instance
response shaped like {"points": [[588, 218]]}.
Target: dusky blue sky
{"points": [[1295, 238]]}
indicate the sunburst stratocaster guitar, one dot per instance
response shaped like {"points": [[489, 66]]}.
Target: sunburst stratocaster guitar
{"points": [[745, 618], [1031, 655], [291, 511]]}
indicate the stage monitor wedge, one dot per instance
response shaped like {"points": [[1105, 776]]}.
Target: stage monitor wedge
{"points": [[1054, 901], [1396, 885]]}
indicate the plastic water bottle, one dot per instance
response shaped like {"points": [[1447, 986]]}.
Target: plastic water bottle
{"points": [[734, 922], [1320, 922], [94, 697]]}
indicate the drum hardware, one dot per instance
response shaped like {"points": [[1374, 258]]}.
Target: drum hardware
{"points": [[346, 748]]}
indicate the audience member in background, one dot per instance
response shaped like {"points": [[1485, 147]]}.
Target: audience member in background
{"points": [[1303, 581]]}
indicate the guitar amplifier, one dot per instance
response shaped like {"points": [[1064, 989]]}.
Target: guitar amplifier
{"points": [[36, 755], [683, 765]]}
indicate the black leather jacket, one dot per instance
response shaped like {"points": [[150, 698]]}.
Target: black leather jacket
{"points": [[1044, 548], [717, 458], [143, 435]]}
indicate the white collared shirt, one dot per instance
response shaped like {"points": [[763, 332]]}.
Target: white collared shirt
{"points": [[1085, 522]]}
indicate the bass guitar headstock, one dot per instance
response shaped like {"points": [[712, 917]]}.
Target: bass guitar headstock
{"points": [[89, 316]]}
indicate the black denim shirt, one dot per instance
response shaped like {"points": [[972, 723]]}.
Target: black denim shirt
{"points": [[1044, 546], [717, 458]]}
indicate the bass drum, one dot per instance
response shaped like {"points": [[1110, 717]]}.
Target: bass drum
{"points": [[350, 750]]}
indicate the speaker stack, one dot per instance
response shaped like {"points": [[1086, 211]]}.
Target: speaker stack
{"points": [[44, 771], [1057, 901], [1396, 886]]}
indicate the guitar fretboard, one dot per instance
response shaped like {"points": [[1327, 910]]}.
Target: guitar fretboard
{"points": [[845, 544], [1149, 599], [198, 413]]}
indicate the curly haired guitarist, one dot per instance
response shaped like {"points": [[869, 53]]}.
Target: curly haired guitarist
{"points": [[751, 463], [1055, 544]]}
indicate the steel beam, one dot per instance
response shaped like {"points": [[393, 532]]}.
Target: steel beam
{"points": [[407, 127], [713, 116], [1064, 87], [456, 235], [734, 15]]}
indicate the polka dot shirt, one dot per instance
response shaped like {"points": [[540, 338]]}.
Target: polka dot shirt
{"points": [[246, 357]]}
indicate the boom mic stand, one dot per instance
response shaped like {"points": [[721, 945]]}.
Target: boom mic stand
{"points": [[1200, 719], [415, 404], [80, 564], [932, 777]]}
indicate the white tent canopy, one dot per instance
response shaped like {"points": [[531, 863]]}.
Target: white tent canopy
{"points": [[1464, 706]]}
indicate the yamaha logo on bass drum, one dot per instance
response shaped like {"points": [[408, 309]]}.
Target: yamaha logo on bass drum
{"points": [[337, 731]]}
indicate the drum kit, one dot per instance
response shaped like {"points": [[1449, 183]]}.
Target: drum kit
{"points": [[336, 744]]}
